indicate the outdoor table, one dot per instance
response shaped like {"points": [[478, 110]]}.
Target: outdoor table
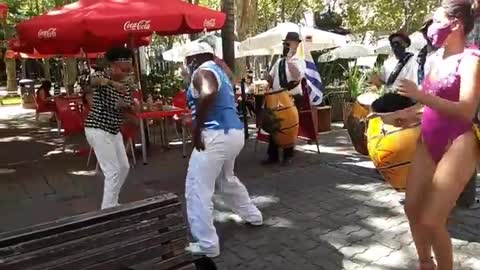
{"points": [[152, 114]]}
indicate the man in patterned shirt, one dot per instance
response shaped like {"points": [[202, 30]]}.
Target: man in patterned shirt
{"points": [[111, 99]]}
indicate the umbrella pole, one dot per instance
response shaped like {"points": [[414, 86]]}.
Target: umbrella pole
{"points": [[138, 72]]}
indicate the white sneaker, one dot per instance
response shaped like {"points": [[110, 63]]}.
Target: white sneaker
{"points": [[196, 250], [255, 220]]}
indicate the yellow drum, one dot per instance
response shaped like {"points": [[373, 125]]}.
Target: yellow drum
{"points": [[283, 110], [391, 150], [357, 121]]}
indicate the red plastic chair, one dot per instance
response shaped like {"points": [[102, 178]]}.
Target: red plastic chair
{"points": [[129, 132], [70, 116]]}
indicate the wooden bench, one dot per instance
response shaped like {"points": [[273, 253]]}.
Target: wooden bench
{"points": [[148, 234]]}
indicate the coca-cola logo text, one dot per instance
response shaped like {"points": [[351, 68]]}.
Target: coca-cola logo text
{"points": [[47, 34], [142, 25], [209, 23]]}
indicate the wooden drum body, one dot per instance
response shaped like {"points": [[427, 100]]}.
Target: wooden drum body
{"points": [[391, 150], [284, 110], [357, 121], [356, 127]]}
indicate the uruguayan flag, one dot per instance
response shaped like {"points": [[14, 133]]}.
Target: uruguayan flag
{"points": [[313, 77]]}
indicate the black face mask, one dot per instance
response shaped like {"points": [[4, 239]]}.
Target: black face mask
{"points": [[286, 50], [399, 51]]}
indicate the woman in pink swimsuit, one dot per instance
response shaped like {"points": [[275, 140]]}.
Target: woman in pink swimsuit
{"points": [[448, 151]]}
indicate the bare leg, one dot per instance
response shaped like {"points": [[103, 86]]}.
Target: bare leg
{"points": [[418, 185], [452, 174]]}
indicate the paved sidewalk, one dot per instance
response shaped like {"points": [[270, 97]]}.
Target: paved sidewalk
{"points": [[328, 211]]}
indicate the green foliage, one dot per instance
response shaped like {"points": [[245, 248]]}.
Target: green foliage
{"points": [[355, 82], [386, 15], [166, 84]]}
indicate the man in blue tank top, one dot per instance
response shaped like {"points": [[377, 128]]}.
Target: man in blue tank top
{"points": [[218, 138]]}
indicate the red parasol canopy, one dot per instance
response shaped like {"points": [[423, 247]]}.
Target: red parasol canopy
{"points": [[97, 25]]}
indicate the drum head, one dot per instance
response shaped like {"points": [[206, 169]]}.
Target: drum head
{"points": [[366, 99]]}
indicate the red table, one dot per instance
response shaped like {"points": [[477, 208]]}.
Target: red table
{"points": [[157, 115]]}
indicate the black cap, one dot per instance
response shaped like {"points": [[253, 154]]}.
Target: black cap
{"points": [[293, 36], [428, 20], [402, 36]]}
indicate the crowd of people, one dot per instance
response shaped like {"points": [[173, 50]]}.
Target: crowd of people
{"points": [[444, 77]]}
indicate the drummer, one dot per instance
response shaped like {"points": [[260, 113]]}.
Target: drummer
{"points": [[287, 73], [401, 66]]}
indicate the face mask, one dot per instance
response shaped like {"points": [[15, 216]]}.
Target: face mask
{"points": [[438, 33], [399, 51]]}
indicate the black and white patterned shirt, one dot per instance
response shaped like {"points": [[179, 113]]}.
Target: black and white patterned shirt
{"points": [[105, 114]]}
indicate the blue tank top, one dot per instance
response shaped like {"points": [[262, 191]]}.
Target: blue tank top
{"points": [[223, 113]]}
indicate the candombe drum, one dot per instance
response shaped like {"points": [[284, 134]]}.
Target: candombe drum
{"points": [[357, 121], [391, 148], [281, 109]]}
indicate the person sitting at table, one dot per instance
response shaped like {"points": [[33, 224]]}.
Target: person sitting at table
{"points": [[111, 99], [44, 100]]}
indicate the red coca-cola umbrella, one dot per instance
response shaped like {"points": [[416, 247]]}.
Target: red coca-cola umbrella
{"points": [[62, 31], [94, 25], [164, 17]]}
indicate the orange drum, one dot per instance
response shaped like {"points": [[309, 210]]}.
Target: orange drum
{"points": [[283, 110], [391, 150], [357, 121]]}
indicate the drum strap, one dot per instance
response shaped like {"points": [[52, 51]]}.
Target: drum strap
{"points": [[282, 75], [398, 68]]}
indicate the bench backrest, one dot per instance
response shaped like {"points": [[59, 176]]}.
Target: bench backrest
{"points": [[143, 233]]}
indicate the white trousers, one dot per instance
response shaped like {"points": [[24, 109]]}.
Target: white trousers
{"points": [[205, 168], [112, 158]]}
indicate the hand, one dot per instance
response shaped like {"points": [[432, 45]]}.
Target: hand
{"points": [[375, 80], [120, 87], [410, 89], [122, 104], [198, 140]]}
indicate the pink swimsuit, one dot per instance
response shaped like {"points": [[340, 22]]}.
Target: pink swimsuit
{"points": [[439, 130]]}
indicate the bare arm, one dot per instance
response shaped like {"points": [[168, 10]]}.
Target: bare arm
{"points": [[466, 107], [206, 84]]}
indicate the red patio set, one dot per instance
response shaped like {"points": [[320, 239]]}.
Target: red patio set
{"points": [[90, 27]]}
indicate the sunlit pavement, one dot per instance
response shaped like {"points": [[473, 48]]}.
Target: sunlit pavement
{"points": [[326, 211]]}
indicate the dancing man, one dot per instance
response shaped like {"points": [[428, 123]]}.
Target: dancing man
{"points": [[447, 152], [218, 138], [402, 66], [111, 98], [286, 74]]}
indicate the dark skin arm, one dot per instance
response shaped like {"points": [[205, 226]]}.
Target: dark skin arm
{"points": [[206, 84]]}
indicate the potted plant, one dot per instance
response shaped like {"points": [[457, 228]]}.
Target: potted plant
{"points": [[355, 84]]}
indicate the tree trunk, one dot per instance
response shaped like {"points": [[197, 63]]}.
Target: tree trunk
{"points": [[70, 74], [228, 34], [11, 70]]}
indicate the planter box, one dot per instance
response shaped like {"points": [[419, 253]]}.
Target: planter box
{"points": [[324, 118]]}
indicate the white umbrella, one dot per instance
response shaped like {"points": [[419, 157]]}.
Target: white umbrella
{"points": [[349, 51], [176, 53], [271, 40]]}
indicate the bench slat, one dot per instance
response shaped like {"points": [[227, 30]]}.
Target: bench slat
{"points": [[97, 255], [142, 255], [165, 264], [83, 220], [24, 247], [85, 244]]}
